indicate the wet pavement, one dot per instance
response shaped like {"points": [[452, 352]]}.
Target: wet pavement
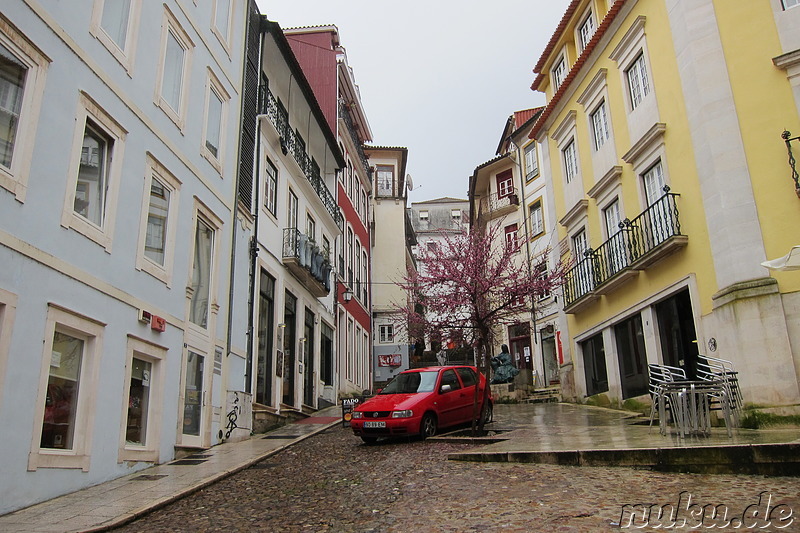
{"points": [[556, 434]]}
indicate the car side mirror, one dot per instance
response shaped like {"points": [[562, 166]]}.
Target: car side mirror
{"points": [[445, 388]]}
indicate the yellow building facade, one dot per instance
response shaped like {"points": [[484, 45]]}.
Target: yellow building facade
{"points": [[671, 186]]}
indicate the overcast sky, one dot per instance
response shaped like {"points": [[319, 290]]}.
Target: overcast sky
{"points": [[437, 76]]}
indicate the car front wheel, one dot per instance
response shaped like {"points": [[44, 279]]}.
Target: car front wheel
{"points": [[488, 413], [428, 426]]}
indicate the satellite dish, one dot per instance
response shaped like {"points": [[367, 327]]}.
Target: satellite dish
{"points": [[409, 182]]}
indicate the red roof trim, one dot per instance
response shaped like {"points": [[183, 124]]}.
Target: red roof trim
{"points": [[573, 72], [562, 25]]}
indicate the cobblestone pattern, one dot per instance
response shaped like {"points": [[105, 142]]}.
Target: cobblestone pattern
{"points": [[334, 483]]}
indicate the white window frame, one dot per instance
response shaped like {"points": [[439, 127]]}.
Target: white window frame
{"points": [[224, 38], [559, 72], [580, 243], [505, 186], [510, 236], [155, 355], [8, 311], [612, 213], [633, 46], [89, 110], [531, 161], [586, 30], [655, 172], [386, 333], [202, 212], [91, 332], [15, 178], [569, 158], [124, 55], [789, 4], [645, 154], [600, 129], [156, 170], [170, 25], [424, 215], [270, 187], [638, 81], [537, 224], [214, 88]]}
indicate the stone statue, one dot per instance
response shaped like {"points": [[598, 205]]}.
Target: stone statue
{"points": [[504, 370]]}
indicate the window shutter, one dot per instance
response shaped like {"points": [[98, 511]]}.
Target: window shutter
{"points": [[250, 101]]}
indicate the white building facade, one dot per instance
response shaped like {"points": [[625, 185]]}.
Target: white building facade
{"points": [[118, 155]]}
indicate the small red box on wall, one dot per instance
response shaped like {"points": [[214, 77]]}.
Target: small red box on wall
{"points": [[157, 323]]}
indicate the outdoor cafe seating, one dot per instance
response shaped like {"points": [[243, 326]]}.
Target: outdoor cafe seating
{"points": [[688, 403]]}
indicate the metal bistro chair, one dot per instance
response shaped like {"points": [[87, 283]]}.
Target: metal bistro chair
{"points": [[715, 369], [661, 376]]}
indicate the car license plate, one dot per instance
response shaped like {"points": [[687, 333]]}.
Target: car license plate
{"points": [[373, 424]]}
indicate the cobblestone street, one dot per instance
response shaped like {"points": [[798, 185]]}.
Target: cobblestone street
{"points": [[333, 482]]}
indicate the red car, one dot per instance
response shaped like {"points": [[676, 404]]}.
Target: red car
{"points": [[420, 401]]}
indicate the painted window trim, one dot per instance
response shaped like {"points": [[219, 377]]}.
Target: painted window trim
{"points": [[273, 208], [587, 15], [89, 109], [225, 42], [127, 56], [173, 184], [204, 213], [386, 334], [531, 147], [15, 179], [8, 311], [214, 85], [91, 331], [170, 24], [155, 355], [540, 201], [633, 45]]}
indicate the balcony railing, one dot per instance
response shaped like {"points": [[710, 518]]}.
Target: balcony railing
{"points": [[348, 120], [291, 144], [307, 261], [652, 235], [498, 204]]}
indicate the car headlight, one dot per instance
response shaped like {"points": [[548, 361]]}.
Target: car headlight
{"points": [[403, 414], [358, 414]]}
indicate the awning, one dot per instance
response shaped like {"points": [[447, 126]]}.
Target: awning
{"points": [[790, 261]]}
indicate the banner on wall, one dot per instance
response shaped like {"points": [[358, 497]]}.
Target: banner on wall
{"points": [[394, 359]]}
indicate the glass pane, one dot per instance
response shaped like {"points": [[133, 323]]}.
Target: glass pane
{"points": [[138, 402], [221, 17], [193, 395], [12, 84], [115, 20], [90, 191], [173, 72], [156, 239], [61, 402], [214, 122], [201, 274]]}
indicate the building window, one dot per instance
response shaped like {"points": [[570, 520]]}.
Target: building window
{"points": [[570, 161], [423, 216], [216, 113], [586, 31], [542, 274], [386, 333], [579, 244], [201, 273], [612, 218], [531, 161], [594, 365], [157, 232], [559, 73], [95, 172], [600, 125], [176, 49], [222, 20], [114, 24], [505, 184], [653, 180], [350, 257], [790, 3], [385, 177], [141, 424], [364, 264], [292, 214], [536, 217], [65, 417], [12, 90], [455, 214], [511, 236], [638, 85], [271, 187]]}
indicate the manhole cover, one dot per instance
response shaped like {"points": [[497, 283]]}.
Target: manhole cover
{"points": [[149, 477], [188, 462]]}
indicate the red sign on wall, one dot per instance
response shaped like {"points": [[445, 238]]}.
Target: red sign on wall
{"points": [[394, 359]]}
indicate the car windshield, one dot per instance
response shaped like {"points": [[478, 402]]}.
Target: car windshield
{"points": [[409, 382]]}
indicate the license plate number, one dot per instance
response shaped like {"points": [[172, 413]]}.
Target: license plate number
{"points": [[372, 424]]}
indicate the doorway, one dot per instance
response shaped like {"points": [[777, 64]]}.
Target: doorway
{"points": [[632, 357], [266, 319], [677, 333], [309, 371], [289, 343]]}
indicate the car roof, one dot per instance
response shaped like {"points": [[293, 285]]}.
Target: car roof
{"points": [[435, 368]]}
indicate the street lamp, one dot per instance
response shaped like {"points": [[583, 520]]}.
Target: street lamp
{"points": [[347, 295], [787, 137]]}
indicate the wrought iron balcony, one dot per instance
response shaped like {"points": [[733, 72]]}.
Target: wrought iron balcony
{"points": [[497, 204], [652, 235], [344, 114], [307, 262], [291, 144]]}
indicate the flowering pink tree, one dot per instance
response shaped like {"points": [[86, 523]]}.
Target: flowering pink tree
{"points": [[469, 286]]}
